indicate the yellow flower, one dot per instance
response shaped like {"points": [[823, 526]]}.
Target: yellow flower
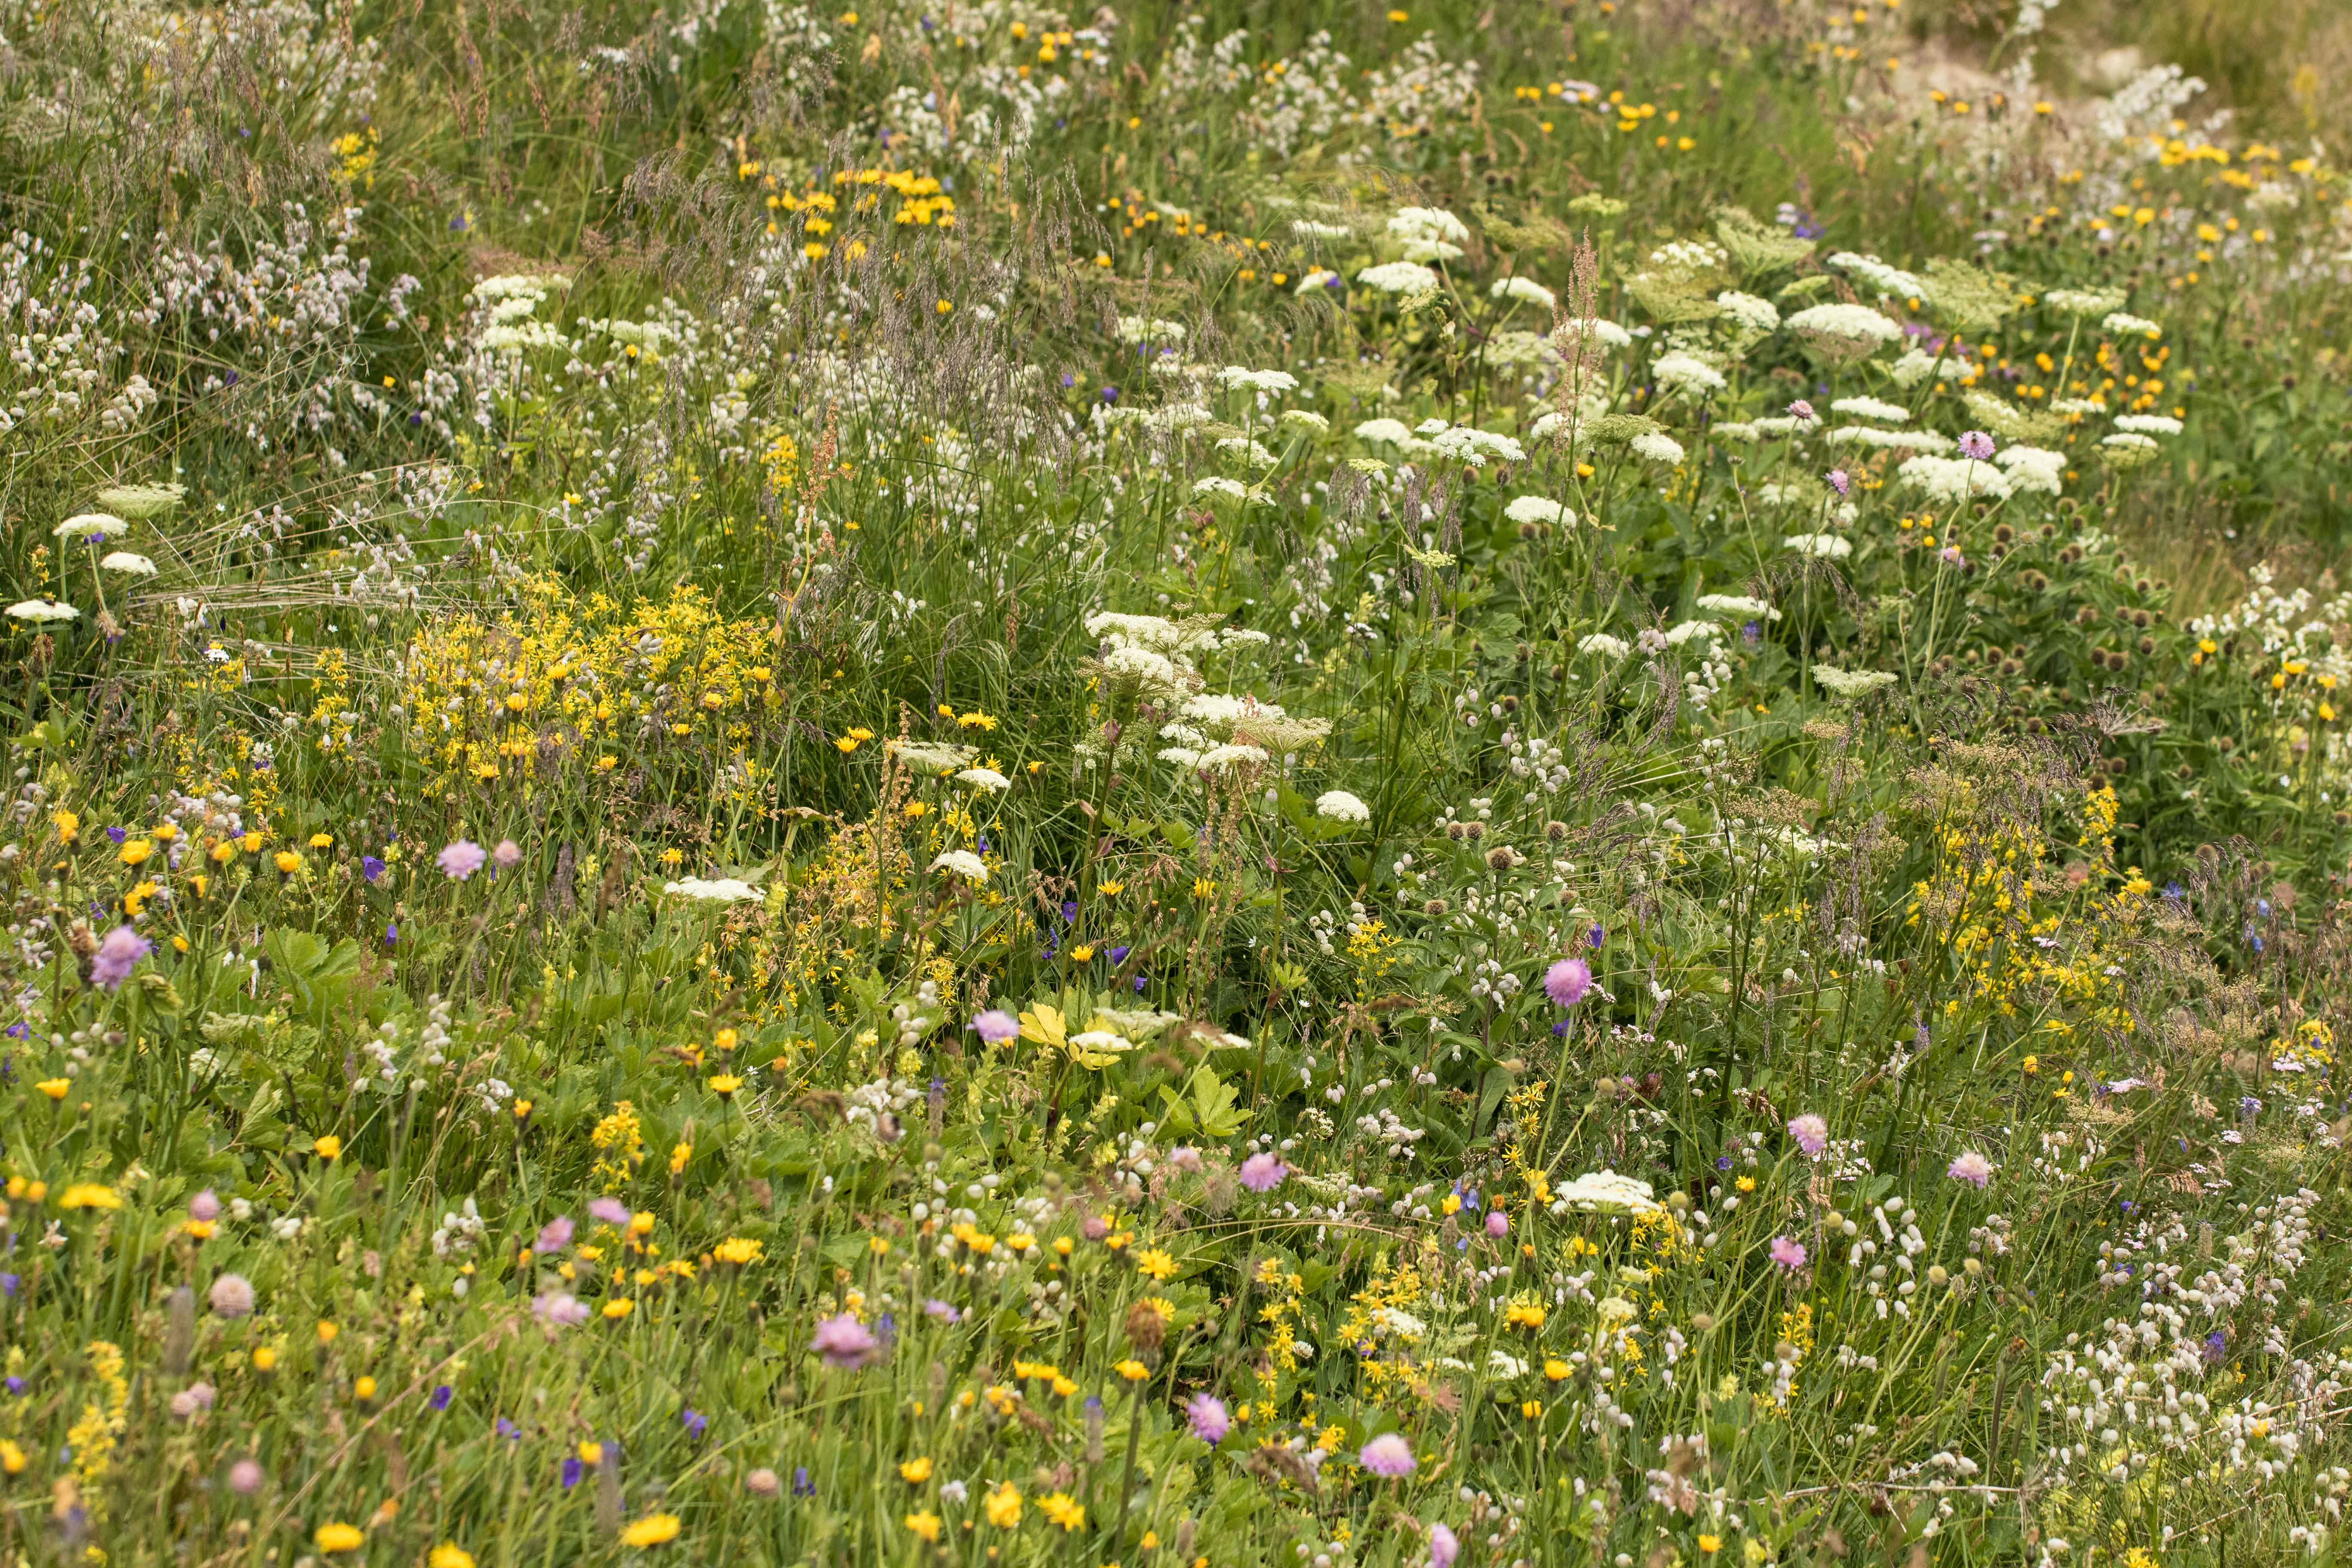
{"points": [[847, 744], [724, 1084], [1132, 1370], [286, 860], [327, 1332], [1003, 1506], [55, 1087], [136, 850], [1156, 1262], [651, 1531], [1082, 953], [68, 828], [926, 1525], [1555, 1369], [1111, 889], [89, 1195], [450, 1554], [915, 1472], [738, 1250], [364, 1389], [333, 1538], [1063, 1509], [329, 1148], [136, 898], [253, 843], [1202, 888], [224, 852], [1525, 1315], [619, 1307], [1710, 1544], [12, 1458], [1531, 1409], [318, 840], [264, 1359]]}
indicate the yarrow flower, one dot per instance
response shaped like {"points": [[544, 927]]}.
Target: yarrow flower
{"points": [[1338, 805]]}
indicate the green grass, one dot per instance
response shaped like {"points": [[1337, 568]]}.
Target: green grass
{"points": [[514, 886]]}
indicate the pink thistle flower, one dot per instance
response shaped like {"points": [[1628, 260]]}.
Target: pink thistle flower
{"points": [[231, 1295], [1788, 1253], [1261, 1172], [1566, 981], [460, 860], [846, 1343], [1970, 1166], [1209, 1418], [559, 1309], [1812, 1133], [1387, 1456], [117, 956]]}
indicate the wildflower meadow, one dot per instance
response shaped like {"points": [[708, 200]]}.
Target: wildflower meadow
{"points": [[1474, 786]]}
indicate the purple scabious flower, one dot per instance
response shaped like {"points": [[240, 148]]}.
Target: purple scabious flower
{"points": [[943, 1311], [508, 854], [846, 1343], [461, 860], [1802, 411], [996, 1025], [117, 956], [1443, 1547], [1498, 1223], [1839, 480], [1387, 1456], [1812, 1133], [1208, 1417], [612, 1211], [1567, 981], [1976, 444], [1970, 1166], [1261, 1172], [1788, 1253], [555, 1236]]}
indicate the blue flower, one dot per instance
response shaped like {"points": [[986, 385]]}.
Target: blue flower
{"points": [[572, 1470], [120, 833], [1119, 955], [390, 934], [441, 1397], [693, 1421], [370, 866], [802, 1485], [508, 1430]]}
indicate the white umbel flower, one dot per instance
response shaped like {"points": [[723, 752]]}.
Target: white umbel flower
{"points": [[1338, 805]]}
